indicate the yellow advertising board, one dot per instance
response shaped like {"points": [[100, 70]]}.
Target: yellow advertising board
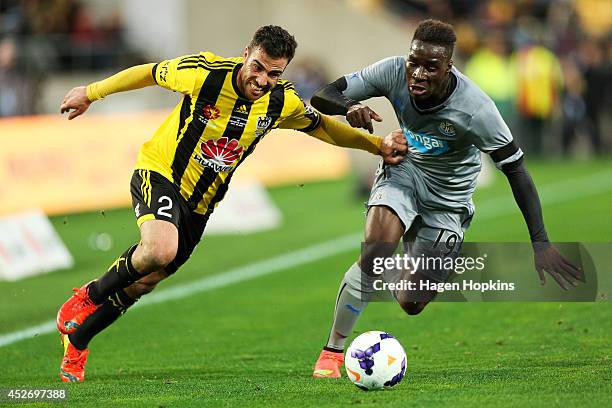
{"points": [[85, 164]]}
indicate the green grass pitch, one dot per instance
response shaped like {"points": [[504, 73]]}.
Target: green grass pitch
{"points": [[253, 343]]}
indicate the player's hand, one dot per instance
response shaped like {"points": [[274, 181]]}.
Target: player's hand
{"points": [[75, 102], [394, 147], [547, 258], [360, 116]]}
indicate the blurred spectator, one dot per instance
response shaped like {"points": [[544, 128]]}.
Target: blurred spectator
{"points": [[539, 83], [607, 84], [564, 28], [16, 88], [467, 42], [490, 68], [38, 37], [575, 118], [67, 33], [597, 75], [595, 17]]}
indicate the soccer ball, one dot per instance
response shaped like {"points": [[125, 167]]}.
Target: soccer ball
{"points": [[375, 360]]}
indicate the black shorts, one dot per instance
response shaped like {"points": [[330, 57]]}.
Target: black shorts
{"points": [[156, 198]]}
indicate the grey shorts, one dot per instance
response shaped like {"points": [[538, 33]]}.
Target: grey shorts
{"points": [[437, 231]]}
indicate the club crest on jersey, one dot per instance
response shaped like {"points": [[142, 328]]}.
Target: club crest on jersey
{"points": [[310, 113], [220, 154], [211, 112], [263, 123], [447, 129], [424, 143]]}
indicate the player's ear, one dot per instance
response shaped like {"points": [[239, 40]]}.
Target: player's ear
{"points": [[450, 65], [245, 54]]}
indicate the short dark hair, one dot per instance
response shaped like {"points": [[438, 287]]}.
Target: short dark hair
{"points": [[436, 32], [275, 41]]}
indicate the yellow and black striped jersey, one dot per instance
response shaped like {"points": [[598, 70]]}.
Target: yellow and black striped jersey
{"points": [[210, 133]]}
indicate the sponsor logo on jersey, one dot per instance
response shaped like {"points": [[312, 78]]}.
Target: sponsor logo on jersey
{"points": [[241, 109], [447, 129], [263, 124], [220, 154], [424, 143], [211, 112], [237, 122]]}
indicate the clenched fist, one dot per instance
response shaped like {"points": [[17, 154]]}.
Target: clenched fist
{"points": [[394, 147]]}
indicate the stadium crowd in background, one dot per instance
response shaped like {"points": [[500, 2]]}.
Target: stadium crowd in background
{"points": [[547, 64], [39, 37]]}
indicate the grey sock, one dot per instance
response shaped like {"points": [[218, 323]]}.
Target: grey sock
{"points": [[351, 301]]}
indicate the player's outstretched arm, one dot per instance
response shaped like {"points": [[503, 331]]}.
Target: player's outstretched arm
{"points": [[78, 99], [331, 100], [392, 147], [547, 258]]}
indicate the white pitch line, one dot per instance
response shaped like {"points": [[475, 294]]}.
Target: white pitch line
{"points": [[550, 194], [27, 333], [266, 267]]}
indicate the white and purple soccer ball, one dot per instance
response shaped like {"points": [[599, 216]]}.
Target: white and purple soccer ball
{"points": [[375, 360]]}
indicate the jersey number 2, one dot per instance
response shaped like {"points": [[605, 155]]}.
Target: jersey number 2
{"points": [[162, 210]]}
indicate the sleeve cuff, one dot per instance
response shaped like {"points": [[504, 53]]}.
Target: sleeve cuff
{"points": [[154, 73], [92, 93]]}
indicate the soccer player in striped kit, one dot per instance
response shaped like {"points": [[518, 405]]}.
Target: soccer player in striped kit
{"points": [[228, 106]]}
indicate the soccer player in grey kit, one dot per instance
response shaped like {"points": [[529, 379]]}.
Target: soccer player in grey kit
{"points": [[447, 121]]}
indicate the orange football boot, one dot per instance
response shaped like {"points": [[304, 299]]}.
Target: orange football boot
{"points": [[328, 365], [73, 363], [75, 310]]}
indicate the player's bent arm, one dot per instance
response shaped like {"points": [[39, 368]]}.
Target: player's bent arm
{"points": [[339, 97], [135, 77], [330, 99], [337, 133]]}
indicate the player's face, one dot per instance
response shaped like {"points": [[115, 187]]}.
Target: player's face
{"points": [[427, 70], [260, 73]]}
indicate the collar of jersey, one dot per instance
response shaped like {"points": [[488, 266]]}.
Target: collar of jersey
{"points": [[235, 81]]}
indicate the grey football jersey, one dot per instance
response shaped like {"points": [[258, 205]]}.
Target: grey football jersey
{"points": [[444, 141]]}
